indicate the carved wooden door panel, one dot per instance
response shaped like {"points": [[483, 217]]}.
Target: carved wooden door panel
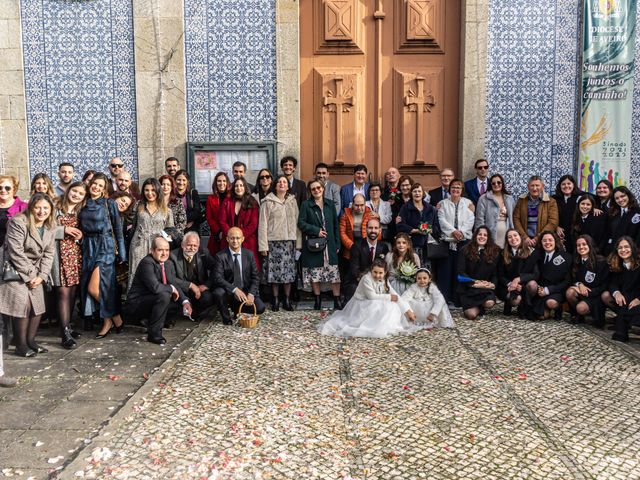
{"points": [[379, 85]]}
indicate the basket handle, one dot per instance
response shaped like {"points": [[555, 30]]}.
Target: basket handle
{"points": [[255, 311]]}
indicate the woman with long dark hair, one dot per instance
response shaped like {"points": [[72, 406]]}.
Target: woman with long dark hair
{"points": [[29, 248], [604, 195], [478, 265], [514, 271], [67, 264], [170, 192], [152, 217], [402, 252], [190, 199], [589, 278], [240, 210], [545, 294], [624, 217], [102, 246], [220, 189], [566, 196], [264, 186], [586, 222], [623, 294]]}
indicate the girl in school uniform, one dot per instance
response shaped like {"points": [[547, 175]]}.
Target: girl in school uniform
{"points": [[624, 217], [427, 303], [623, 294], [546, 294], [589, 278], [479, 262], [588, 220], [514, 271], [375, 310]]}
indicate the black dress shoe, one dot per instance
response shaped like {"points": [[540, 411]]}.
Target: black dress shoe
{"points": [[618, 337], [25, 352], [158, 341], [507, 308], [75, 334], [275, 304], [287, 304], [227, 321], [337, 304], [317, 304]]}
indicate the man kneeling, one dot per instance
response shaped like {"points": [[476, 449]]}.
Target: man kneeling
{"points": [[236, 275], [153, 290]]}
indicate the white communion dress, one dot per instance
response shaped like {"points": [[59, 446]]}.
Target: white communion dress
{"points": [[425, 301], [370, 313]]}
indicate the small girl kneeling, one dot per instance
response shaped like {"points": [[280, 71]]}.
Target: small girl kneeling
{"points": [[427, 303]]}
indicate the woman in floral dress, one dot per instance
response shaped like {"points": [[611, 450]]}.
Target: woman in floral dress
{"points": [[67, 263]]}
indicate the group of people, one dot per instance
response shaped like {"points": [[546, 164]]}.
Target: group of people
{"points": [[121, 250]]}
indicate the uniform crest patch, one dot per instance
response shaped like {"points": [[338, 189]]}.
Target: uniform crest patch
{"points": [[558, 261], [589, 277]]}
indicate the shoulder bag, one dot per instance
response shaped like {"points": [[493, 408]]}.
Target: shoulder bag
{"points": [[317, 244]]}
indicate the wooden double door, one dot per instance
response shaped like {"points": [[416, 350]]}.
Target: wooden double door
{"points": [[380, 86]]}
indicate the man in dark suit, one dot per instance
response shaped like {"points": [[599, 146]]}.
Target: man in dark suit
{"points": [[235, 275], [440, 193], [297, 188], [477, 186], [192, 272], [359, 185], [153, 289], [362, 255]]}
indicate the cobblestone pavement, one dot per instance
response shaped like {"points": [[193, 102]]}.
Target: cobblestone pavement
{"points": [[494, 399]]}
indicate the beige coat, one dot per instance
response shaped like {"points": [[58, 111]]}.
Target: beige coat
{"points": [[278, 221], [32, 257]]}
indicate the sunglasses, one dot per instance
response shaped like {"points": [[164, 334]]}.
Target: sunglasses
{"points": [[496, 183], [264, 177], [482, 167], [6, 188], [117, 165], [315, 189]]}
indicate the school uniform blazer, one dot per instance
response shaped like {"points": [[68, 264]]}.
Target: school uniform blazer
{"points": [[627, 282], [596, 227], [518, 267], [620, 225], [556, 274], [480, 269], [595, 277]]}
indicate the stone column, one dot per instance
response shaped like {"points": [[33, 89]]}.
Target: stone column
{"points": [[160, 84], [473, 91], [14, 154], [288, 78]]}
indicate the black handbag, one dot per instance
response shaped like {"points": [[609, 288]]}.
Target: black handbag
{"points": [[437, 250], [9, 272], [316, 244]]}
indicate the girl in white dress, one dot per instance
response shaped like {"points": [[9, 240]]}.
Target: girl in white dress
{"points": [[375, 310], [427, 303]]}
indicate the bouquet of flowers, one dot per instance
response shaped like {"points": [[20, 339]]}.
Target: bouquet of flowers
{"points": [[394, 194], [425, 228], [406, 271]]}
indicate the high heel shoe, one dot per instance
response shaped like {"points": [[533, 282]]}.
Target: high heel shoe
{"points": [[37, 348], [102, 335], [118, 328]]}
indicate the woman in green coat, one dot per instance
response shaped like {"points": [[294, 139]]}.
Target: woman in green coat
{"points": [[318, 219]]}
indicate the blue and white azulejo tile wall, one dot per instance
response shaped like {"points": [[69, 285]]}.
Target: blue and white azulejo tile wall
{"points": [[533, 84], [79, 83], [230, 62]]}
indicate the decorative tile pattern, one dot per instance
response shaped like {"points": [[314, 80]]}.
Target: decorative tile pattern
{"points": [[533, 76], [80, 83], [635, 122], [230, 50]]}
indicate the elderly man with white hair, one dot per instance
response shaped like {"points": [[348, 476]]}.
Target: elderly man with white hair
{"points": [[193, 272]]}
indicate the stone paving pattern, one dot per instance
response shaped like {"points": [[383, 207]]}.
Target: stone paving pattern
{"points": [[494, 399]]}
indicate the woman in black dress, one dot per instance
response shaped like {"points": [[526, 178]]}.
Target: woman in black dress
{"points": [[190, 199], [589, 278], [478, 262], [624, 217], [546, 294], [514, 271], [623, 294], [566, 196], [586, 222]]}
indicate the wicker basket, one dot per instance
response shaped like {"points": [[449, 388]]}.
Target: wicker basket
{"points": [[246, 320]]}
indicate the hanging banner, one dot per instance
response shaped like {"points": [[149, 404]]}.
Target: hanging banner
{"points": [[607, 92]]}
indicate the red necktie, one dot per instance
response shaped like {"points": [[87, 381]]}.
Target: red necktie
{"points": [[372, 253], [164, 273]]}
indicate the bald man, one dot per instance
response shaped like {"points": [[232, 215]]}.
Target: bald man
{"points": [[235, 275], [126, 184]]}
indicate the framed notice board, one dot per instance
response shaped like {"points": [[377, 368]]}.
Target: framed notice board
{"points": [[206, 159]]}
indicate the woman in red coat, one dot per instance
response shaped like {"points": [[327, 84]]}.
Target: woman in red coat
{"points": [[241, 210], [220, 190]]}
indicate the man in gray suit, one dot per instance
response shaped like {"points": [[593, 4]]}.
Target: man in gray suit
{"points": [[331, 189]]}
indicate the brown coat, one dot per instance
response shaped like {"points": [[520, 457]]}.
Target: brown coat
{"points": [[32, 257], [547, 215]]}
